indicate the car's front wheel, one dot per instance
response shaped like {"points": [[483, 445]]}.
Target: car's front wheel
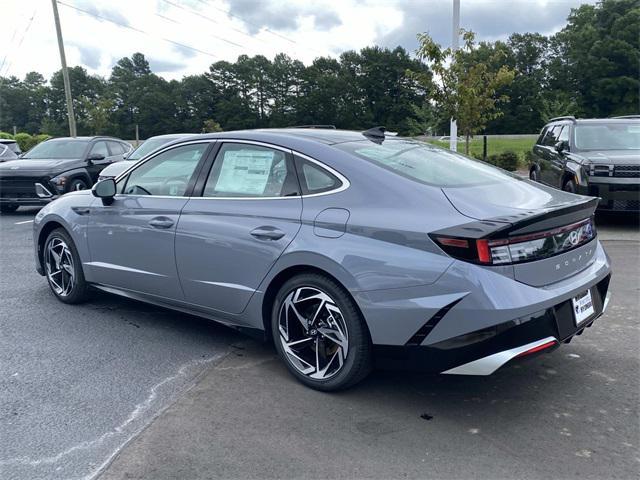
{"points": [[570, 186], [63, 269], [533, 174], [77, 184], [320, 334]]}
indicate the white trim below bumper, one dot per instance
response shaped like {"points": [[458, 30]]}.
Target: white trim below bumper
{"points": [[488, 365]]}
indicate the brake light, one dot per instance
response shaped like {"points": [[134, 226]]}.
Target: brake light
{"points": [[517, 249]]}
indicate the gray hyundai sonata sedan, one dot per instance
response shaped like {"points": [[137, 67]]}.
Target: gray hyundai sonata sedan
{"points": [[348, 250]]}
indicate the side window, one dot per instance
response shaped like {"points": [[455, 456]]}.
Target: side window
{"points": [[243, 170], [99, 148], [540, 140], [314, 178], [564, 134], [551, 137], [116, 148], [167, 174]]}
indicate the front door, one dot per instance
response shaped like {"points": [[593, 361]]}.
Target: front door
{"points": [[131, 241], [228, 239]]}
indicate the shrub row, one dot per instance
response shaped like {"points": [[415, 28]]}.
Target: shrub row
{"points": [[26, 141]]}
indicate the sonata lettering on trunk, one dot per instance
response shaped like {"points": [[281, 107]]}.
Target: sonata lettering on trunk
{"points": [[575, 259]]}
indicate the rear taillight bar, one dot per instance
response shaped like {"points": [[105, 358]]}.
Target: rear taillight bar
{"points": [[520, 248]]}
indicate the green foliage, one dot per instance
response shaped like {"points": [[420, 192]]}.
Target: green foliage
{"points": [[6, 135], [507, 160], [496, 146], [25, 141], [467, 88], [211, 126], [589, 68]]}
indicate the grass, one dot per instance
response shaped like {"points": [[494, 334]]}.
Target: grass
{"points": [[494, 146]]}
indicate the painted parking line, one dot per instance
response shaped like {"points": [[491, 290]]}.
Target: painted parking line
{"points": [[22, 223]]}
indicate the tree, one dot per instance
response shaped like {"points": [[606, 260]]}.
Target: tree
{"points": [[596, 58], [464, 90]]}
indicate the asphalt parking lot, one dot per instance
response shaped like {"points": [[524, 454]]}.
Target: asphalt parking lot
{"points": [[119, 389]]}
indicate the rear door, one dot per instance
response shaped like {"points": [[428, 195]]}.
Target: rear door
{"points": [[248, 213]]}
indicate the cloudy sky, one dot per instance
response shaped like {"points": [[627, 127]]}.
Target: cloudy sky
{"points": [[181, 37]]}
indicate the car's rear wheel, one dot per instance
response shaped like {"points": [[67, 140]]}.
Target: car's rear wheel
{"points": [[8, 208], [570, 186], [320, 334], [63, 268], [77, 184]]}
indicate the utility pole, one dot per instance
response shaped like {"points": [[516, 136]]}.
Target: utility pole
{"points": [[453, 131], [65, 72]]}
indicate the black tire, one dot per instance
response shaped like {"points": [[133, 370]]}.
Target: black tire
{"points": [[533, 174], [570, 186], [8, 208], [78, 292], [77, 184], [357, 363]]}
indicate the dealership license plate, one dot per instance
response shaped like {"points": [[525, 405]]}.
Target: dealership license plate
{"points": [[582, 307]]}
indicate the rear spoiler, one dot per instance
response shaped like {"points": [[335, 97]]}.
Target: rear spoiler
{"points": [[526, 222]]}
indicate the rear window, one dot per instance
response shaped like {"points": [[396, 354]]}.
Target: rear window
{"points": [[608, 136], [426, 163]]}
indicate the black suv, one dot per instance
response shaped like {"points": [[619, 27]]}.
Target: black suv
{"points": [[597, 157], [55, 167]]}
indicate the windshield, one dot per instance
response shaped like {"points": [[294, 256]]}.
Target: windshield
{"points": [[63, 148], [608, 136], [149, 146], [426, 163]]}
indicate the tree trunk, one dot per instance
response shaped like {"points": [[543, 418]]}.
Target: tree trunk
{"points": [[466, 143]]}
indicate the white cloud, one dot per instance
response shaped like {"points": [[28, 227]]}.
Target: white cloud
{"points": [[185, 36]]}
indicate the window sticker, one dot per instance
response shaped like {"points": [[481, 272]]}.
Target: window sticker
{"points": [[245, 172]]}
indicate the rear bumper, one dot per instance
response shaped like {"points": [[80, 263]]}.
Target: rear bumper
{"points": [[617, 194], [483, 351]]}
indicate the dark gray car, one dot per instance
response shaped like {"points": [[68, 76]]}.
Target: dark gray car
{"points": [[347, 249], [598, 157]]}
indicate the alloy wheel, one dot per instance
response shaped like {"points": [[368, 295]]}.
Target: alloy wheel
{"points": [[59, 267], [313, 333]]}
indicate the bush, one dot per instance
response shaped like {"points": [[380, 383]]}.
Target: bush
{"points": [[27, 142], [507, 160], [24, 140], [6, 135]]}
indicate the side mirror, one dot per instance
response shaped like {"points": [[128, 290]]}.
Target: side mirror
{"points": [[105, 189], [95, 157], [562, 146]]}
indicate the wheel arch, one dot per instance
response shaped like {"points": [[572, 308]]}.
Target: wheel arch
{"points": [[44, 232], [285, 274]]}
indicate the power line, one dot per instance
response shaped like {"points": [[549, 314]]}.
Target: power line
{"points": [[202, 16], [24, 34], [266, 29], [130, 27]]}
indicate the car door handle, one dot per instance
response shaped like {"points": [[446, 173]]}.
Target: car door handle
{"points": [[267, 233], [161, 222]]}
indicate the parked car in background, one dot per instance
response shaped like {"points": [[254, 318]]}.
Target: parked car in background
{"points": [[342, 247], [446, 138], [12, 145], [6, 153], [143, 149], [56, 166], [597, 157]]}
